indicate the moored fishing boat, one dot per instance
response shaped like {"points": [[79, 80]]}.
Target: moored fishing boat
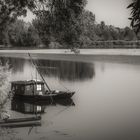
{"points": [[35, 90]]}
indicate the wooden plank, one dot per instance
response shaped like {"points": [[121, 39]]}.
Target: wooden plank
{"points": [[19, 120], [21, 124]]}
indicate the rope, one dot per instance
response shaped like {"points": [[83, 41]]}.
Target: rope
{"points": [[63, 86], [58, 113], [59, 82], [33, 63]]}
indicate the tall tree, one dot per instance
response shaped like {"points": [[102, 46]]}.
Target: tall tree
{"points": [[22, 34], [60, 21], [62, 11], [42, 24], [11, 9], [87, 25], [66, 18]]}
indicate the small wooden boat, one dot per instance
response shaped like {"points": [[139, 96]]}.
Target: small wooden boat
{"points": [[35, 90], [59, 94], [21, 122]]}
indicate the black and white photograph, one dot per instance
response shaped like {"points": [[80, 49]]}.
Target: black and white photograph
{"points": [[69, 69]]}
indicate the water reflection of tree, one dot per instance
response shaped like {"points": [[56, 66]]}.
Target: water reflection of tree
{"points": [[16, 64], [64, 70], [67, 70]]}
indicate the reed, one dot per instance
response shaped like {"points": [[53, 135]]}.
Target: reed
{"points": [[8, 134], [4, 84]]}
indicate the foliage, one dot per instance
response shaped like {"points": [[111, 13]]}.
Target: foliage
{"points": [[60, 22], [43, 26], [4, 83], [135, 14], [22, 34], [11, 9], [87, 25], [93, 32], [81, 32]]}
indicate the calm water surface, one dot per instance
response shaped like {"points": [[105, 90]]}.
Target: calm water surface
{"points": [[106, 104]]}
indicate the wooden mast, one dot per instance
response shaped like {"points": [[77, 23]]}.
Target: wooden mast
{"points": [[39, 72]]}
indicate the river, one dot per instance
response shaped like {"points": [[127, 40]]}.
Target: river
{"points": [[106, 104]]}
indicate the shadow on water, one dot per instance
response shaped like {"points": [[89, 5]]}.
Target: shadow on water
{"points": [[26, 107], [64, 70], [67, 70]]}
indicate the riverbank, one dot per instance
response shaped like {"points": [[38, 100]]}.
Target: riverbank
{"points": [[127, 52], [131, 56], [110, 44]]}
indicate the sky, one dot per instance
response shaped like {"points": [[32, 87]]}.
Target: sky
{"points": [[113, 12]]}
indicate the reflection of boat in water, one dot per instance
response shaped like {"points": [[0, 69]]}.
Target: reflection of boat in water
{"points": [[21, 122], [63, 102], [26, 107], [35, 107]]}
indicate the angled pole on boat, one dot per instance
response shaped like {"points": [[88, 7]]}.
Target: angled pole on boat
{"points": [[39, 72]]}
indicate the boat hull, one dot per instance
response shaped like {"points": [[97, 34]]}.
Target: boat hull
{"points": [[48, 96]]}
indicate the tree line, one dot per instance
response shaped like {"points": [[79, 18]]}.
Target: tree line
{"points": [[58, 24]]}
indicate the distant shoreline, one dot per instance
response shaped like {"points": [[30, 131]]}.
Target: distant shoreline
{"points": [[111, 44], [129, 56], [127, 52]]}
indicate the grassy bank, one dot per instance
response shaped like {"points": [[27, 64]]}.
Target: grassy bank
{"points": [[121, 44], [117, 44], [131, 56], [15, 52]]}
